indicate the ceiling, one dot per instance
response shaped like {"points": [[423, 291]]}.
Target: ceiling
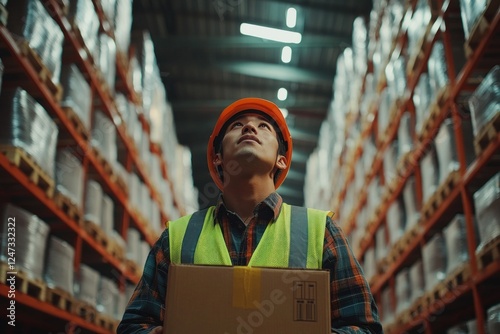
{"points": [[206, 64]]}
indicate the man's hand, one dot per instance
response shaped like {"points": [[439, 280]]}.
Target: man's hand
{"points": [[157, 330]]}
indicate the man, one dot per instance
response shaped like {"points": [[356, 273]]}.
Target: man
{"points": [[249, 155]]}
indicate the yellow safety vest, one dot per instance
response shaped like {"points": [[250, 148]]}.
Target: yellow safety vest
{"points": [[294, 240]]}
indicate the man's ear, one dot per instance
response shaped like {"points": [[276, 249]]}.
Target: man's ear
{"points": [[281, 162], [217, 161]]}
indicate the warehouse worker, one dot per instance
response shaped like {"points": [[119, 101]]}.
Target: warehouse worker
{"points": [[249, 155]]}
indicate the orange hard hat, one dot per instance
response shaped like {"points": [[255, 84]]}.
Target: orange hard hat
{"points": [[246, 104]]}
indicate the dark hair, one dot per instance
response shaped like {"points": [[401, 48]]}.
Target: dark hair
{"points": [[282, 145]]}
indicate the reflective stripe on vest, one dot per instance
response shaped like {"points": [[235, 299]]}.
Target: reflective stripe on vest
{"points": [[294, 240]]}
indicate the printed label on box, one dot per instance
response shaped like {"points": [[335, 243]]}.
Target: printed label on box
{"points": [[304, 301]]}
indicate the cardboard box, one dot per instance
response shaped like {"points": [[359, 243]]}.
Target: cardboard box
{"points": [[246, 300]]}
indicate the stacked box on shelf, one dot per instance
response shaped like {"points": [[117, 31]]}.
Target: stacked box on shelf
{"points": [[122, 23], [76, 94], [30, 20], [403, 290], [455, 235], [134, 75], [390, 162], [26, 124], [387, 308], [381, 242], [59, 265], [469, 327], [471, 11], [422, 98], [87, 284], [109, 9], [396, 220], [383, 112], [105, 60], [83, 16], [369, 263], [360, 46], [485, 101], [374, 196], [412, 209], [434, 259], [104, 137], [106, 299], [107, 215], [133, 244], [93, 202], [487, 200], [437, 69], [421, 17], [493, 321], [405, 140], [69, 176], [446, 150], [369, 152], [31, 234], [417, 281], [430, 171]]}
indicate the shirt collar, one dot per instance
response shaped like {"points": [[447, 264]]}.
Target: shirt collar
{"points": [[268, 210]]}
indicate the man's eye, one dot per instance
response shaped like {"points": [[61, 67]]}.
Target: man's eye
{"points": [[264, 125], [236, 124]]}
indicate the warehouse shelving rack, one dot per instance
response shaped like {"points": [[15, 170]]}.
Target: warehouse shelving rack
{"points": [[20, 188], [470, 289]]}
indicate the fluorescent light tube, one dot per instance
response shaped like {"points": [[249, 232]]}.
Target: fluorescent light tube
{"points": [[286, 54], [273, 34], [282, 94], [291, 17]]}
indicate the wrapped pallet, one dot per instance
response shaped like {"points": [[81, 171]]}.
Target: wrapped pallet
{"points": [[31, 235], [412, 212], [455, 235], [31, 20], [133, 244], [69, 176], [396, 220], [422, 99], [106, 60], [104, 137], [438, 70], [107, 215], [93, 202], [471, 12], [76, 93], [59, 266], [123, 23], [106, 298], [487, 200], [87, 284], [434, 259], [403, 290], [429, 170], [417, 281], [485, 101], [83, 16], [493, 321], [446, 150], [24, 123]]}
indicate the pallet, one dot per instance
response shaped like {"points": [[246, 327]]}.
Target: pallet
{"points": [[76, 122], [108, 169], [24, 162], [59, 298], [120, 182], [443, 191], [481, 27], [96, 233], [403, 244], [417, 307], [30, 286], [456, 278], [67, 205], [488, 134], [105, 321], [39, 66], [4, 15], [115, 250], [132, 267], [85, 311], [489, 253]]}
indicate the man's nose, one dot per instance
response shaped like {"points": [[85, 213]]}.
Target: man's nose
{"points": [[249, 127]]}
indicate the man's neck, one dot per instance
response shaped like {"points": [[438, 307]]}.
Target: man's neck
{"points": [[242, 197]]}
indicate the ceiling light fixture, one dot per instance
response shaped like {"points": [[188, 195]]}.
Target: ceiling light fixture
{"points": [[284, 111], [282, 94], [273, 34], [286, 54], [291, 17]]}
